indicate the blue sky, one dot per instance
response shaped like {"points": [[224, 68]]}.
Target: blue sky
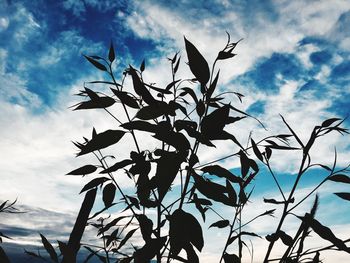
{"points": [[293, 60]]}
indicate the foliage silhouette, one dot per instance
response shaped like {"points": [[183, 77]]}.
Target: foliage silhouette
{"points": [[185, 115]]}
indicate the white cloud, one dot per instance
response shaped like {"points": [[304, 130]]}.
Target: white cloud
{"points": [[4, 23]]}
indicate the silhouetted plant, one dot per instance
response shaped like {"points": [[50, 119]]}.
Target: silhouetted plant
{"points": [[6, 207], [179, 127]]}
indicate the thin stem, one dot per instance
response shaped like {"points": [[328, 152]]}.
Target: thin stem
{"points": [[229, 235], [275, 179], [125, 109], [113, 116], [105, 166]]}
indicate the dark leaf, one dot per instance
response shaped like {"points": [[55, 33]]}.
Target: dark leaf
{"points": [[86, 169], [222, 172], [220, 224], [190, 92], [231, 258], [96, 63], [126, 99], [175, 139], [32, 254], [329, 122], [225, 55], [146, 226], [214, 122], [94, 183], [154, 111], [197, 63], [111, 53], [4, 258], [149, 250], [177, 65], [117, 166], [268, 152], [212, 87], [212, 190], [49, 248], [108, 194], [142, 67], [168, 166], [342, 178], [172, 84], [324, 232], [162, 91], [134, 201], [99, 103], [110, 224], [257, 151], [126, 238], [286, 239], [200, 108], [184, 229], [140, 88], [246, 164], [345, 196], [231, 192], [140, 125], [95, 253], [101, 140]]}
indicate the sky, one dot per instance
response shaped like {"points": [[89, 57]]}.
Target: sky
{"points": [[293, 60]]}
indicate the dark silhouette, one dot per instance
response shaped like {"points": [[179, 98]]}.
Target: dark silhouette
{"points": [[181, 117]]}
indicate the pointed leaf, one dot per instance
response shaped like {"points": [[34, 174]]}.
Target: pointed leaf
{"points": [[197, 63], [101, 140], [329, 122], [220, 224], [143, 66], [257, 151], [184, 229], [342, 178], [84, 170], [222, 172], [126, 99], [345, 196], [111, 53], [126, 238], [49, 248], [108, 194], [94, 183], [96, 63], [117, 166]]}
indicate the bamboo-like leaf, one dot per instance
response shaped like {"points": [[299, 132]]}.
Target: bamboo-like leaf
{"points": [[84, 170], [342, 178], [257, 151], [184, 229], [222, 172], [212, 86], [231, 258], [49, 248], [111, 53], [329, 122], [94, 183], [324, 232], [197, 63], [345, 196], [101, 140], [126, 99], [117, 166], [126, 238], [96, 63], [108, 194], [143, 66], [220, 224]]}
